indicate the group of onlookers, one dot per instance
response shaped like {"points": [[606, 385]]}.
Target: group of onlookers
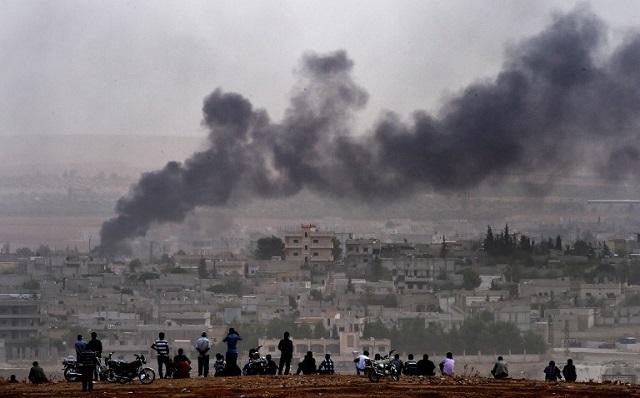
{"points": [[88, 354]]}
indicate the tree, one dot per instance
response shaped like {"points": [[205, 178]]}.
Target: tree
{"points": [[202, 269], [336, 250], [269, 247], [489, 243], [377, 272], [443, 247], [134, 265], [558, 243], [470, 279], [24, 251], [315, 295]]}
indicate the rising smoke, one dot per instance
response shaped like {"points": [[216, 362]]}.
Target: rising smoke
{"points": [[560, 98]]}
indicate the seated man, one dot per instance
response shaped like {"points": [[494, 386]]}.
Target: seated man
{"points": [[36, 374], [500, 369], [326, 366], [272, 366], [219, 365], [410, 366], [308, 365], [398, 363], [182, 365], [426, 367]]}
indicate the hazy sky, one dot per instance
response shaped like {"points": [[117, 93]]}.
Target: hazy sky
{"points": [[143, 67]]}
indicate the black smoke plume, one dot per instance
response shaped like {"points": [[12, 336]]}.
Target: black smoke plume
{"points": [[560, 99]]}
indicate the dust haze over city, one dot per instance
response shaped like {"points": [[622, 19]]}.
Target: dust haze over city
{"points": [[420, 176]]}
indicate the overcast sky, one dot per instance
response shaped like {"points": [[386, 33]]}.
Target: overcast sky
{"points": [[143, 67]]}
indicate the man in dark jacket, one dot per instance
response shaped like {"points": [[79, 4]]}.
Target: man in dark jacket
{"points": [[410, 367], [95, 345], [308, 365], [286, 354], [87, 362], [272, 367], [36, 374], [500, 369], [426, 367], [569, 371], [552, 373]]}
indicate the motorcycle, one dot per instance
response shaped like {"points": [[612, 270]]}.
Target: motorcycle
{"points": [[377, 369], [125, 372], [71, 370], [257, 365]]}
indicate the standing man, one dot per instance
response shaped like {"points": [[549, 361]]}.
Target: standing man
{"points": [[286, 354], [161, 346], [95, 345], [232, 339], [361, 362], [80, 345], [203, 346], [87, 362]]}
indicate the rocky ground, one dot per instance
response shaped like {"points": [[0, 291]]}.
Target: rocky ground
{"points": [[327, 386]]}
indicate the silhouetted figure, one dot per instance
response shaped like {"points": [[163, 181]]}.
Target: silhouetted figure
{"points": [[398, 363], [308, 365], [569, 371], [36, 374], [161, 346], [426, 367], [326, 366], [552, 373], [87, 363], [410, 367], [95, 345], [219, 365], [232, 339], [182, 365], [447, 365], [286, 354], [203, 345], [272, 367], [500, 369], [12, 379]]}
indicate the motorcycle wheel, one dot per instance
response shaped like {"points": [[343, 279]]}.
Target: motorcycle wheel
{"points": [[70, 375], [374, 377], [146, 376], [109, 376]]}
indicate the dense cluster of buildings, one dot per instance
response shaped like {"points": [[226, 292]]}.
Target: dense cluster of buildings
{"points": [[337, 282]]}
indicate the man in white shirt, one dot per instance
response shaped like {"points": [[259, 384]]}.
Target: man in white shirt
{"points": [[360, 361], [203, 346], [447, 366]]}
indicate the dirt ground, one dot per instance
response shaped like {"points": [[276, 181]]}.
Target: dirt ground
{"points": [[327, 386]]}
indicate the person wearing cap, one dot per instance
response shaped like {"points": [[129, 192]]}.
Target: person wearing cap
{"points": [[203, 346]]}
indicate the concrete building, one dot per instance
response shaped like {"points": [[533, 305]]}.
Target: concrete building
{"points": [[309, 245], [20, 325]]}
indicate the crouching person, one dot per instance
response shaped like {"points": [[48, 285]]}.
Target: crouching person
{"points": [[182, 365]]}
